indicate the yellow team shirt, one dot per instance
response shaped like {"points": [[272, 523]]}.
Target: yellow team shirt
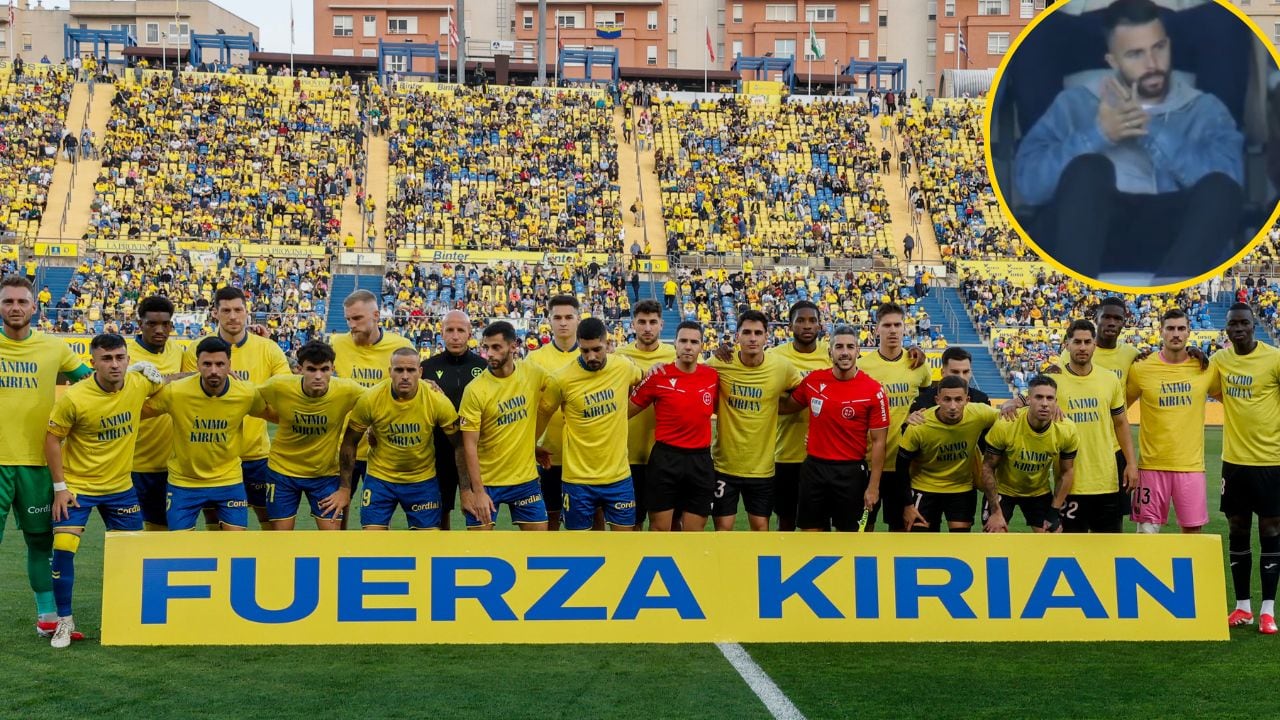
{"points": [[311, 428], [641, 427], [28, 375], [206, 430], [1251, 404], [1118, 360], [902, 385], [366, 364], [794, 428], [504, 411], [594, 404], [945, 451], [100, 429], [253, 360], [1172, 398], [747, 415], [406, 451], [1091, 401], [1029, 455], [552, 360], [155, 435]]}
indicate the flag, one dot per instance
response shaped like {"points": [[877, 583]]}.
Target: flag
{"points": [[814, 50], [608, 31], [12, 10], [290, 23], [559, 42], [453, 33], [963, 48], [711, 50]]}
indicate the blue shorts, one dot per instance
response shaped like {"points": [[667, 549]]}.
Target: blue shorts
{"points": [[525, 501], [120, 511], [284, 493], [183, 505], [151, 488], [420, 501], [580, 502], [255, 481]]}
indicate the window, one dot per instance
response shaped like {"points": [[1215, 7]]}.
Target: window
{"points": [[1275, 34], [931, 47], [651, 55], [396, 63], [402, 26], [780, 13], [444, 28], [153, 33], [369, 52], [342, 26], [933, 9], [737, 12], [993, 7], [784, 48], [370, 28], [822, 49], [864, 48], [820, 13], [528, 20], [864, 13], [131, 29], [737, 48], [1026, 9], [608, 17], [343, 52], [652, 20], [4, 41], [884, 17], [570, 20], [26, 42], [673, 25], [949, 8], [997, 43], [180, 32], [671, 58], [720, 16], [949, 43]]}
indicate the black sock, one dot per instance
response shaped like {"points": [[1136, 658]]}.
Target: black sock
{"points": [[1241, 564], [1269, 565]]}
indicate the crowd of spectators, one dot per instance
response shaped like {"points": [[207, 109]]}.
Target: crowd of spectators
{"points": [[791, 179], [33, 117], [226, 157], [501, 168]]}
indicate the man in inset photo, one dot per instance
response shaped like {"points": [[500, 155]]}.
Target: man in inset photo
{"points": [[1138, 175]]}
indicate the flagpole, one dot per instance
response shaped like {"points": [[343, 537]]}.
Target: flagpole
{"points": [[448, 45], [12, 10], [557, 80], [959, 42], [291, 37], [809, 90]]}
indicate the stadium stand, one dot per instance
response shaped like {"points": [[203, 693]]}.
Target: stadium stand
{"points": [[33, 110], [225, 156], [502, 168], [797, 179]]}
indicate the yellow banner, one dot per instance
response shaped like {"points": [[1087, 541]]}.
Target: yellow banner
{"points": [[202, 246], [281, 251], [438, 255], [305, 588], [8, 252], [653, 265], [1019, 272], [44, 249], [130, 246]]}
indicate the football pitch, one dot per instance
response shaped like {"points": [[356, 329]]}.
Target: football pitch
{"points": [[961, 680]]}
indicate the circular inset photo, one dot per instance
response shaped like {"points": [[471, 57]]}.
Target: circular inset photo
{"points": [[1128, 140]]}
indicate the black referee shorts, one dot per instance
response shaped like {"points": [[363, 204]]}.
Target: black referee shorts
{"points": [[680, 479], [890, 506], [786, 489], [638, 486], [1250, 490], [831, 494], [552, 490]]}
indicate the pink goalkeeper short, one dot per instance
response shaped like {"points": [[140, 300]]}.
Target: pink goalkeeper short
{"points": [[1157, 489]]}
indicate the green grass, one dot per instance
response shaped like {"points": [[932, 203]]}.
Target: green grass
{"points": [[963, 680]]}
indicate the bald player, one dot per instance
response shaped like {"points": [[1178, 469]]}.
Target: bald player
{"points": [[451, 370], [363, 354]]}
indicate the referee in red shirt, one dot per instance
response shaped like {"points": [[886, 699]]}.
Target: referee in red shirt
{"points": [[846, 409], [680, 474]]}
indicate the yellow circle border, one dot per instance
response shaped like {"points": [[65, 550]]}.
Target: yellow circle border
{"points": [[989, 111]]}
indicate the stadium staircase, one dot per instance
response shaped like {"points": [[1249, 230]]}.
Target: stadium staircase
{"points": [[1218, 321], [72, 218], [947, 311], [58, 279], [637, 178], [376, 180], [344, 285], [927, 250]]}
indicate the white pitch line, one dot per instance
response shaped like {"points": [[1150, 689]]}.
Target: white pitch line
{"points": [[778, 704]]}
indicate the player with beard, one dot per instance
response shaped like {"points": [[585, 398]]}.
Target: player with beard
{"points": [[647, 350]]}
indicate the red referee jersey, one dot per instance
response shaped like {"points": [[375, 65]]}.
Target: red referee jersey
{"points": [[683, 404], [841, 412]]}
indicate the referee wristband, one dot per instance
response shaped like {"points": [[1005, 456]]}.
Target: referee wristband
{"points": [[59, 487]]}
